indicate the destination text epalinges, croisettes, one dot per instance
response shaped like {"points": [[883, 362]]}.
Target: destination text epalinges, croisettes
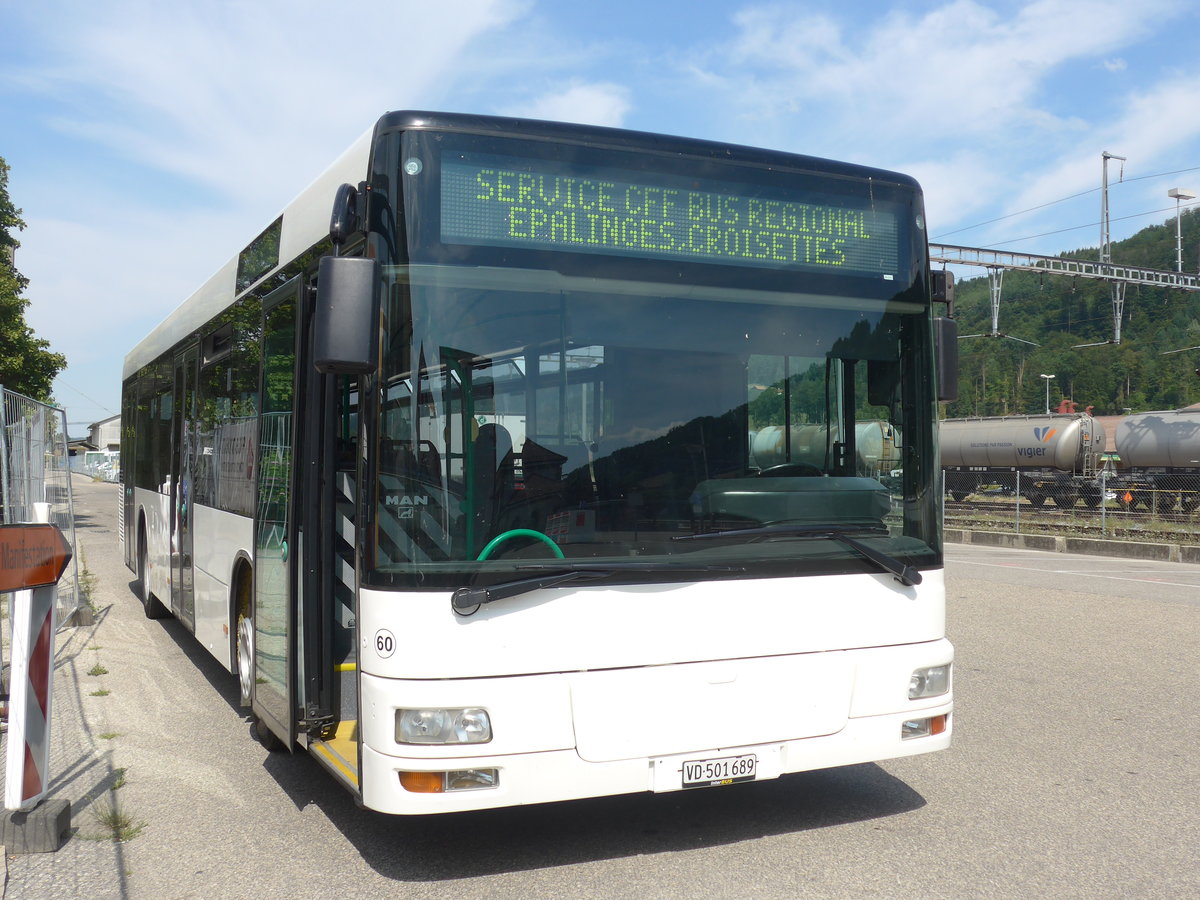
{"points": [[548, 211]]}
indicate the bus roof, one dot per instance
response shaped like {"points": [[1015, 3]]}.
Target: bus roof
{"points": [[620, 138], [305, 221]]}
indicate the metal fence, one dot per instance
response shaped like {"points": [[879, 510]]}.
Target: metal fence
{"points": [[35, 469], [1132, 505]]}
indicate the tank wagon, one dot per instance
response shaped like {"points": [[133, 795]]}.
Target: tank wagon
{"points": [[1157, 459], [1149, 459], [876, 444], [1044, 457]]}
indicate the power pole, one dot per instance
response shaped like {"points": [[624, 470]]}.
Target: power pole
{"points": [[1105, 230], [1118, 287]]}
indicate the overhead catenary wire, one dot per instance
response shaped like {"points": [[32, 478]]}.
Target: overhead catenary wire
{"points": [[1063, 200]]}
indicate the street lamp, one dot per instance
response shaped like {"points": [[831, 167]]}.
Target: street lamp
{"points": [[1179, 194], [1048, 378]]}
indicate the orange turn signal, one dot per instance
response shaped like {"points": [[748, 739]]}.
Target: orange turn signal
{"points": [[423, 782]]}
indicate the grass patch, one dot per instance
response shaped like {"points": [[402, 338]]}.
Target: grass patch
{"points": [[87, 582], [103, 692], [116, 821], [97, 670]]}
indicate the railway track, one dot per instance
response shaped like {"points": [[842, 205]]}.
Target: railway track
{"points": [[1002, 512]]}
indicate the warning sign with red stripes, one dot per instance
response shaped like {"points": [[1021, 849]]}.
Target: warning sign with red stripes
{"points": [[32, 559]]}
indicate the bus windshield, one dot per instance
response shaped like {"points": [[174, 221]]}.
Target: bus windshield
{"points": [[573, 395]]}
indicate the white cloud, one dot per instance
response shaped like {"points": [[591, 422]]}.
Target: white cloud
{"points": [[1153, 125], [960, 185], [600, 103], [267, 92], [126, 269], [861, 76], [187, 126], [986, 104]]}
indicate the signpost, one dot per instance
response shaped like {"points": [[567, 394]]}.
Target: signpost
{"points": [[32, 559], [31, 556]]}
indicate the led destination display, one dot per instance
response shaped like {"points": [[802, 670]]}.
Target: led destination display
{"points": [[502, 201]]}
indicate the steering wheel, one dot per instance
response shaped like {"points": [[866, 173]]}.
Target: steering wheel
{"points": [[791, 470]]}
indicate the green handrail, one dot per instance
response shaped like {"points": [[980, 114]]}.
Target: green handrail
{"points": [[519, 532]]}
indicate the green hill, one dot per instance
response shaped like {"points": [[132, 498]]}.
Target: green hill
{"points": [[1001, 377]]}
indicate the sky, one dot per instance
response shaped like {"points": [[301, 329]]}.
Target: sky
{"points": [[149, 141]]}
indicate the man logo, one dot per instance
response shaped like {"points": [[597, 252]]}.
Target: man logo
{"points": [[406, 505]]}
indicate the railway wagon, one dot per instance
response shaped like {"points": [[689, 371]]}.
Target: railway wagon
{"points": [[1157, 459], [1042, 457]]}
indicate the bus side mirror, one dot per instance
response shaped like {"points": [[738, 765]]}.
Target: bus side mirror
{"points": [[346, 317], [945, 348], [942, 288], [346, 217]]}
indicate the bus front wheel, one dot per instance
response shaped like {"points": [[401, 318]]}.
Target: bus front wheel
{"points": [[244, 634]]}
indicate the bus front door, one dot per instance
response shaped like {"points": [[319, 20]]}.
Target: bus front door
{"points": [[273, 700]]}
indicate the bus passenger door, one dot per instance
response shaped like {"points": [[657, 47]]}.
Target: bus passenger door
{"points": [[274, 523], [183, 602]]}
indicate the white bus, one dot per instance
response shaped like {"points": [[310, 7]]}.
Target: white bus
{"points": [[452, 466]]}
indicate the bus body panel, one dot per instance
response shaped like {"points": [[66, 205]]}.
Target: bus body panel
{"points": [[153, 513], [549, 775], [228, 537], [619, 706], [563, 629]]}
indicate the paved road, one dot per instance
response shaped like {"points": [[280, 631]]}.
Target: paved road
{"points": [[1074, 773]]}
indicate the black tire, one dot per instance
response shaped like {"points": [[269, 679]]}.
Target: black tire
{"points": [[151, 605], [266, 736]]}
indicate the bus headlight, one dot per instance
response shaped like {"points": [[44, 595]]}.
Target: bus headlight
{"points": [[929, 682], [471, 725]]}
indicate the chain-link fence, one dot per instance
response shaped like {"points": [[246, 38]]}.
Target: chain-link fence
{"points": [[1134, 505], [35, 469]]}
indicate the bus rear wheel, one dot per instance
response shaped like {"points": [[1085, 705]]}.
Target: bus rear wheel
{"points": [[150, 604]]}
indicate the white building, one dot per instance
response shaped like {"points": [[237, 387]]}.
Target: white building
{"points": [[106, 434]]}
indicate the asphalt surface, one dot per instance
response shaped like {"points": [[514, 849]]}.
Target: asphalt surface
{"points": [[1074, 773]]}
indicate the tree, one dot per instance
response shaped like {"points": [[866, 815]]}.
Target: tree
{"points": [[27, 365], [1156, 366]]}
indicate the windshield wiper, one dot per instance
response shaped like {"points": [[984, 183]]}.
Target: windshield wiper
{"points": [[468, 598], [906, 575]]}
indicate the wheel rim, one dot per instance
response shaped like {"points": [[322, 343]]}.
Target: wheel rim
{"points": [[245, 655]]}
